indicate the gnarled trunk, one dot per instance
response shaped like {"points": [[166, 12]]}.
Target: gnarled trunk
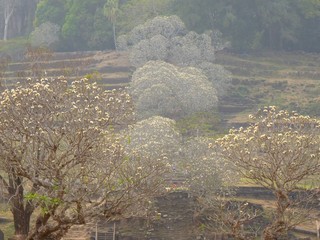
{"points": [[278, 229], [20, 209]]}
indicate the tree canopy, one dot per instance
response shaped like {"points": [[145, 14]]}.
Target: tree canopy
{"points": [[160, 88], [61, 154], [255, 24], [279, 151]]}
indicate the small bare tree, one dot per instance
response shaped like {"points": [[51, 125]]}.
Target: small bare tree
{"points": [[37, 58], [4, 64], [154, 137], [279, 151], [46, 35], [224, 216]]}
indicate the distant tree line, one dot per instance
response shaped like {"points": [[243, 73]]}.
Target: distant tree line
{"points": [[288, 25], [256, 24]]}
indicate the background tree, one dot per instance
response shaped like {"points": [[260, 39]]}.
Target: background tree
{"points": [[9, 7], [4, 64], [17, 17], [166, 26], [155, 138], [248, 25], [309, 30], [160, 88], [210, 180], [111, 11], [53, 11], [179, 46], [62, 156], [38, 57], [207, 172], [253, 24], [83, 25], [46, 35], [166, 39], [217, 75], [136, 12], [222, 215], [279, 151]]}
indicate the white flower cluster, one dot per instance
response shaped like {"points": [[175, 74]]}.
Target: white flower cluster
{"points": [[183, 50], [191, 49], [279, 151], [218, 75], [155, 48], [167, 26], [154, 138], [160, 88]]}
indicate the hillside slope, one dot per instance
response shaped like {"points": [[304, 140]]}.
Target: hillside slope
{"points": [[287, 80]]}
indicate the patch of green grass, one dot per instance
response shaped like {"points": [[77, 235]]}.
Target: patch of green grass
{"points": [[201, 124], [13, 46], [311, 183], [6, 220], [312, 109]]}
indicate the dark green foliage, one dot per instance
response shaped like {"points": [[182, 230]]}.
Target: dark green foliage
{"points": [[101, 37], [280, 85], [201, 124], [256, 24], [83, 25], [50, 11], [312, 109]]}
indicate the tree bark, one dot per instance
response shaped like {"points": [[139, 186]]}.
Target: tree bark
{"points": [[21, 211], [6, 23], [278, 230], [114, 36], [21, 220]]}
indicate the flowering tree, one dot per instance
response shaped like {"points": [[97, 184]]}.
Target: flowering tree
{"points": [[218, 75], [60, 154], [155, 48], [198, 168], [46, 35], [208, 172], [160, 88], [279, 151], [166, 39], [178, 46], [191, 49], [167, 26], [211, 181], [155, 137]]}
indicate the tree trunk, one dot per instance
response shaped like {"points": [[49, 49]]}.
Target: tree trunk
{"points": [[21, 211], [7, 16], [9, 7], [21, 220], [278, 229], [43, 230], [5, 31], [114, 36]]}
